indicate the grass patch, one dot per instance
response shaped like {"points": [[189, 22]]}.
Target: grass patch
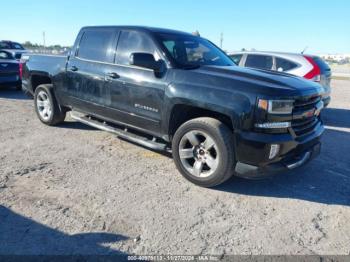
{"points": [[340, 78]]}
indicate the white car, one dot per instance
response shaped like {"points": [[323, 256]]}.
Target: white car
{"points": [[307, 66]]}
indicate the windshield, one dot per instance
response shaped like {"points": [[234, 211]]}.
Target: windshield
{"points": [[191, 51]]}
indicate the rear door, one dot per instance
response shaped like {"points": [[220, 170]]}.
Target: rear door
{"points": [[87, 67], [259, 61]]}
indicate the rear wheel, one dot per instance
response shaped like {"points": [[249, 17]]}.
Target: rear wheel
{"points": [[46, 106], [203, 151], [19, 87]]}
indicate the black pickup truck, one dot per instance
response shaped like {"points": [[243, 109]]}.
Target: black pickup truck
{"points": [[170, 90]]}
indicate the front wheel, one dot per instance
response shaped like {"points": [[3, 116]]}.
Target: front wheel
{"points": [[203, 151], [46, 106]]}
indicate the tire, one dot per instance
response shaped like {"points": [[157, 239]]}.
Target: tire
{"points": [[19, 87], [206, 146], [44, 99]]}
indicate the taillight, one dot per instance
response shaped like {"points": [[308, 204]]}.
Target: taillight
{"points": [[20, 70], [315, 73]]}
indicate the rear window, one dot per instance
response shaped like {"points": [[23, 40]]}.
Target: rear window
{"points": [[259, 61], [96, 44], [284, 64], [236, 58], [322, 64], [17, 46]]}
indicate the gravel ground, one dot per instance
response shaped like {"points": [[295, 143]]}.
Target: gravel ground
{"points": [[76, 190]]}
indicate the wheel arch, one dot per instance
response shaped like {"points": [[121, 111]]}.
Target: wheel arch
{"points": [[183, 112], [39, 78]]}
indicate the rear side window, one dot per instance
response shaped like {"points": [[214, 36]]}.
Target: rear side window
{"points": [[284, 64], [236, 58], [96, 45], [259, 61], [134, 42]]}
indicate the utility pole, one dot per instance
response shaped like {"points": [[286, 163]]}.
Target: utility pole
{"points": [[44, 41], [221, 39]]}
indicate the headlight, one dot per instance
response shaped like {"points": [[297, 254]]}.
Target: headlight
{"points": [[283, 107]]}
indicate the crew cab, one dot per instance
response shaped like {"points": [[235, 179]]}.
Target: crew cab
{"points": [[173, 91]]}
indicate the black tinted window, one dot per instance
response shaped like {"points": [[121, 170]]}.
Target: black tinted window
{"points": [[134, 42], [5, 55], [284, 64], [259, 61], [97, 45], [236, 58], [17, 46]]}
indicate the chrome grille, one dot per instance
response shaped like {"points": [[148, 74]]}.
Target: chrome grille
{"points": [[304, 120]]}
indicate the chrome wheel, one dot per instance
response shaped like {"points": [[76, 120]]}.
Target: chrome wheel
{"points": [[199, 153], [44, 105]]}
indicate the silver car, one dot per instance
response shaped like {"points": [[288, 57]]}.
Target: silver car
{"points": [[307, 66]]}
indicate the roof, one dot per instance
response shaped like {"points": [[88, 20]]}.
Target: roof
{"points": [[267, 53], [142, 28]]}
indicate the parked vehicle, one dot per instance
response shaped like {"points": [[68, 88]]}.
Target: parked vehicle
{"points": [[169, 90], [10, 70], [310, 67], [14, 48]]}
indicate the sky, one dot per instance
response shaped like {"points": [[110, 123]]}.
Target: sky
{"points": [[270, 25]]}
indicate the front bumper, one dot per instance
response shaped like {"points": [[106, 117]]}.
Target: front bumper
{"points": [[252, 152]]}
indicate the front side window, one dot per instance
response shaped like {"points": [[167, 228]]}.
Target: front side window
{"points": [[259, 61], [96, 44], [236, 58], [192, 51], [283, 65], [134, 42]]}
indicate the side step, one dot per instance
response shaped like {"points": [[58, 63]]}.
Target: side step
{"points": [[124, 134]]}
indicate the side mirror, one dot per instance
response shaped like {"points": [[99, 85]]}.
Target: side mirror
{"points": [[146, 60]]}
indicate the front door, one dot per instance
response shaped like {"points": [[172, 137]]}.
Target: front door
{"points": [[137, 93]]}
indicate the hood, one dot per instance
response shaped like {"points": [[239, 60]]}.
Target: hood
{"points": [[266, 79]]}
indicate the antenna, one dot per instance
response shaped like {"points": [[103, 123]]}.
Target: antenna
{"points": [[44, 41], [221, 39], [302, 52]]}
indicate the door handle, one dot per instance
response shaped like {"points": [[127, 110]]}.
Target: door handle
{"points": [[73, 68], [112, 75]]}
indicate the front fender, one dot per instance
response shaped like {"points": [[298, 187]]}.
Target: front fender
{"points": [[235, 105]]}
